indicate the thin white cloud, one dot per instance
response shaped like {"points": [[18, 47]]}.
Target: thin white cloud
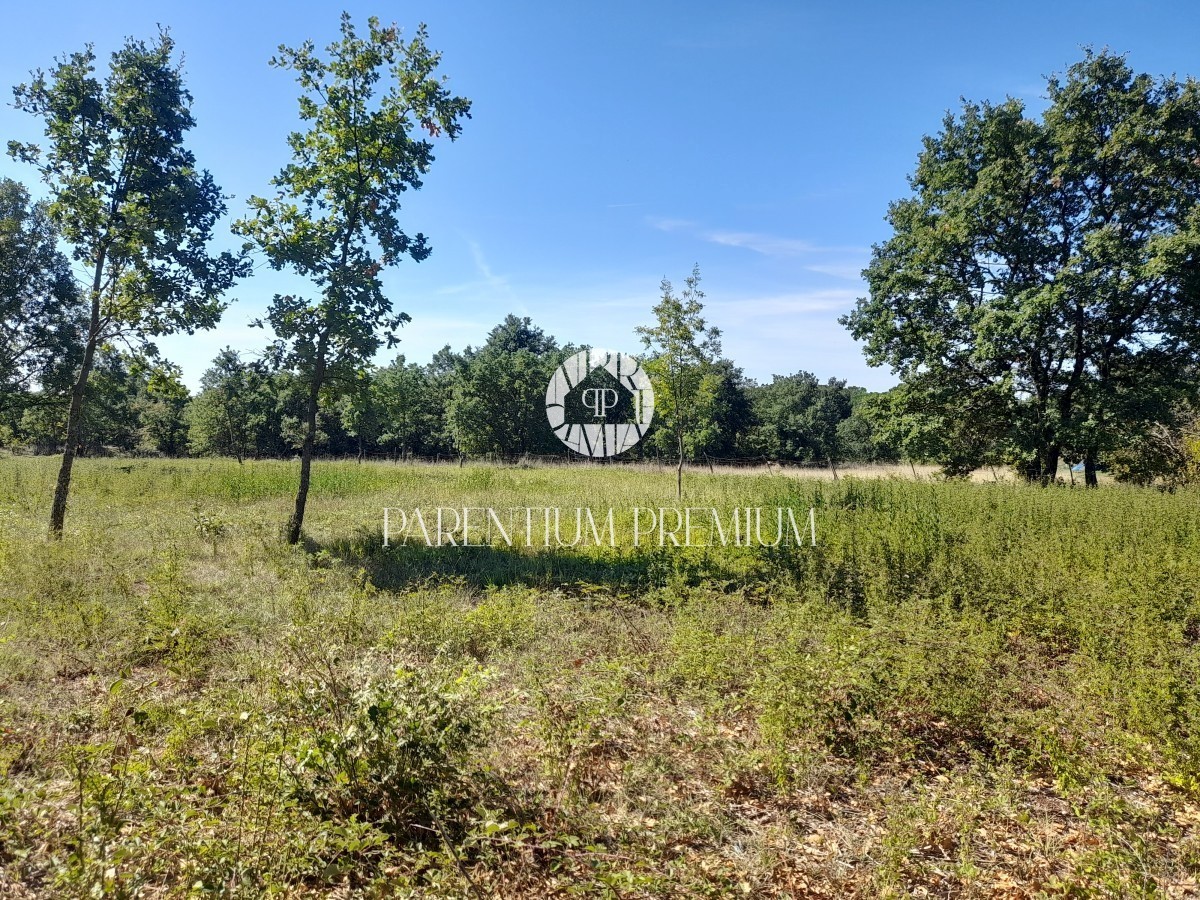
{"points": [[665, 223], [793, 304], [490, 277], [762, 243], [771, 245], [487, 278], [851, 271]]}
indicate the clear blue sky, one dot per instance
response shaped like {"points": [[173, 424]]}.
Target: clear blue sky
{"points": [[616, 143]]}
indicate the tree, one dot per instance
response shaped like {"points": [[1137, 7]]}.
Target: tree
{"points": [[236, 412], [411, 404], [1168, 452], [161, 406], [684, 351], [498, 404], [334, 218], [1042, 281], [925, 425], [781, 410], [359, 412], [732, 413], [41, 314], [801, 419], [859, 436], [128, 198], [109, 420], [832, 408]]}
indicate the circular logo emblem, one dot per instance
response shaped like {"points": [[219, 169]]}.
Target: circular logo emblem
{"points": [[600, 403]]}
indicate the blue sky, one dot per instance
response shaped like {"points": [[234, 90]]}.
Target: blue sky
{"points": [[614, 144]]}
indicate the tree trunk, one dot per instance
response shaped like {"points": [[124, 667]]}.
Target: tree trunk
{"points": [[1089, 469], [62, 488], [1043, 469], [679, 470], [1050, 466], [832, 467], [310, 437]]}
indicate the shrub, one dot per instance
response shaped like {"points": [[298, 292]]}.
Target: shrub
{"points": [[393, 751]]}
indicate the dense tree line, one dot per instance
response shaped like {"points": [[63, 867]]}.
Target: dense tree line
{"points": [[480, 401]]}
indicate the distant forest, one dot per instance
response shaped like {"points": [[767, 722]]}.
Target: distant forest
{"points": [[484, 401]]}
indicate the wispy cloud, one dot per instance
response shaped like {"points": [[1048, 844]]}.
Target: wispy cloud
{"points": [[664, 223], [772, 245], [850, 271], [765, 244], [487, 280], [792, 304], [775, 246], [490, 277]]}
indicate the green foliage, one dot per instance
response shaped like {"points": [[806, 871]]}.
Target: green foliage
{"points": [[125, 193], [160, 410], [913, 418], [683, 352], [1038, 292], [237, 412], [129, 199], [335, 216], [412, 404], [393, 752], [41, 313], [800, 419], [498, 404], [1167, 453]]}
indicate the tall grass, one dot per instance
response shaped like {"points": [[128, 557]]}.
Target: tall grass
{"points": [[960, 687]]}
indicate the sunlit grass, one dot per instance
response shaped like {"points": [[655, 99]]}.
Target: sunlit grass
{"points": [[960, 687]]}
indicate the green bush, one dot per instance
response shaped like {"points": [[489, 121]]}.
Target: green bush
{"points": [[393, 751]]}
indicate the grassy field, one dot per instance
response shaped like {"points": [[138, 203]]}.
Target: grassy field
{"points": [[963, 690]]}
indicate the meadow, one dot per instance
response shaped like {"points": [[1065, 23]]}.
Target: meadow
{"points": [[963, 690]]}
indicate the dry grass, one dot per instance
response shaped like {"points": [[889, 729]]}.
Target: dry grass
{"points": [[966, 690]]}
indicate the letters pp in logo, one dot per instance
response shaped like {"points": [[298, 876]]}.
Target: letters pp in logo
{"points": [[600, 400]]}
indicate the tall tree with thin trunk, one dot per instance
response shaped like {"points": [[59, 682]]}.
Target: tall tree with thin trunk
{"points": [[334, 217], [127, 196], [683, 355]]}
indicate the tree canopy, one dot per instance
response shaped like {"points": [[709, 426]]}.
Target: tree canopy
{"points": [[41, 312], [335, 215], [1040, 287], [127, 196]]}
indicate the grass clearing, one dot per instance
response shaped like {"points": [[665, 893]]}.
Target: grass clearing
{"points": [[963, 690]]}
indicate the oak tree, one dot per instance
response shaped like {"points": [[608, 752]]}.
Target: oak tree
{"points": [[683, 352], [371, 110], [1041, 287], [125, 194]]}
